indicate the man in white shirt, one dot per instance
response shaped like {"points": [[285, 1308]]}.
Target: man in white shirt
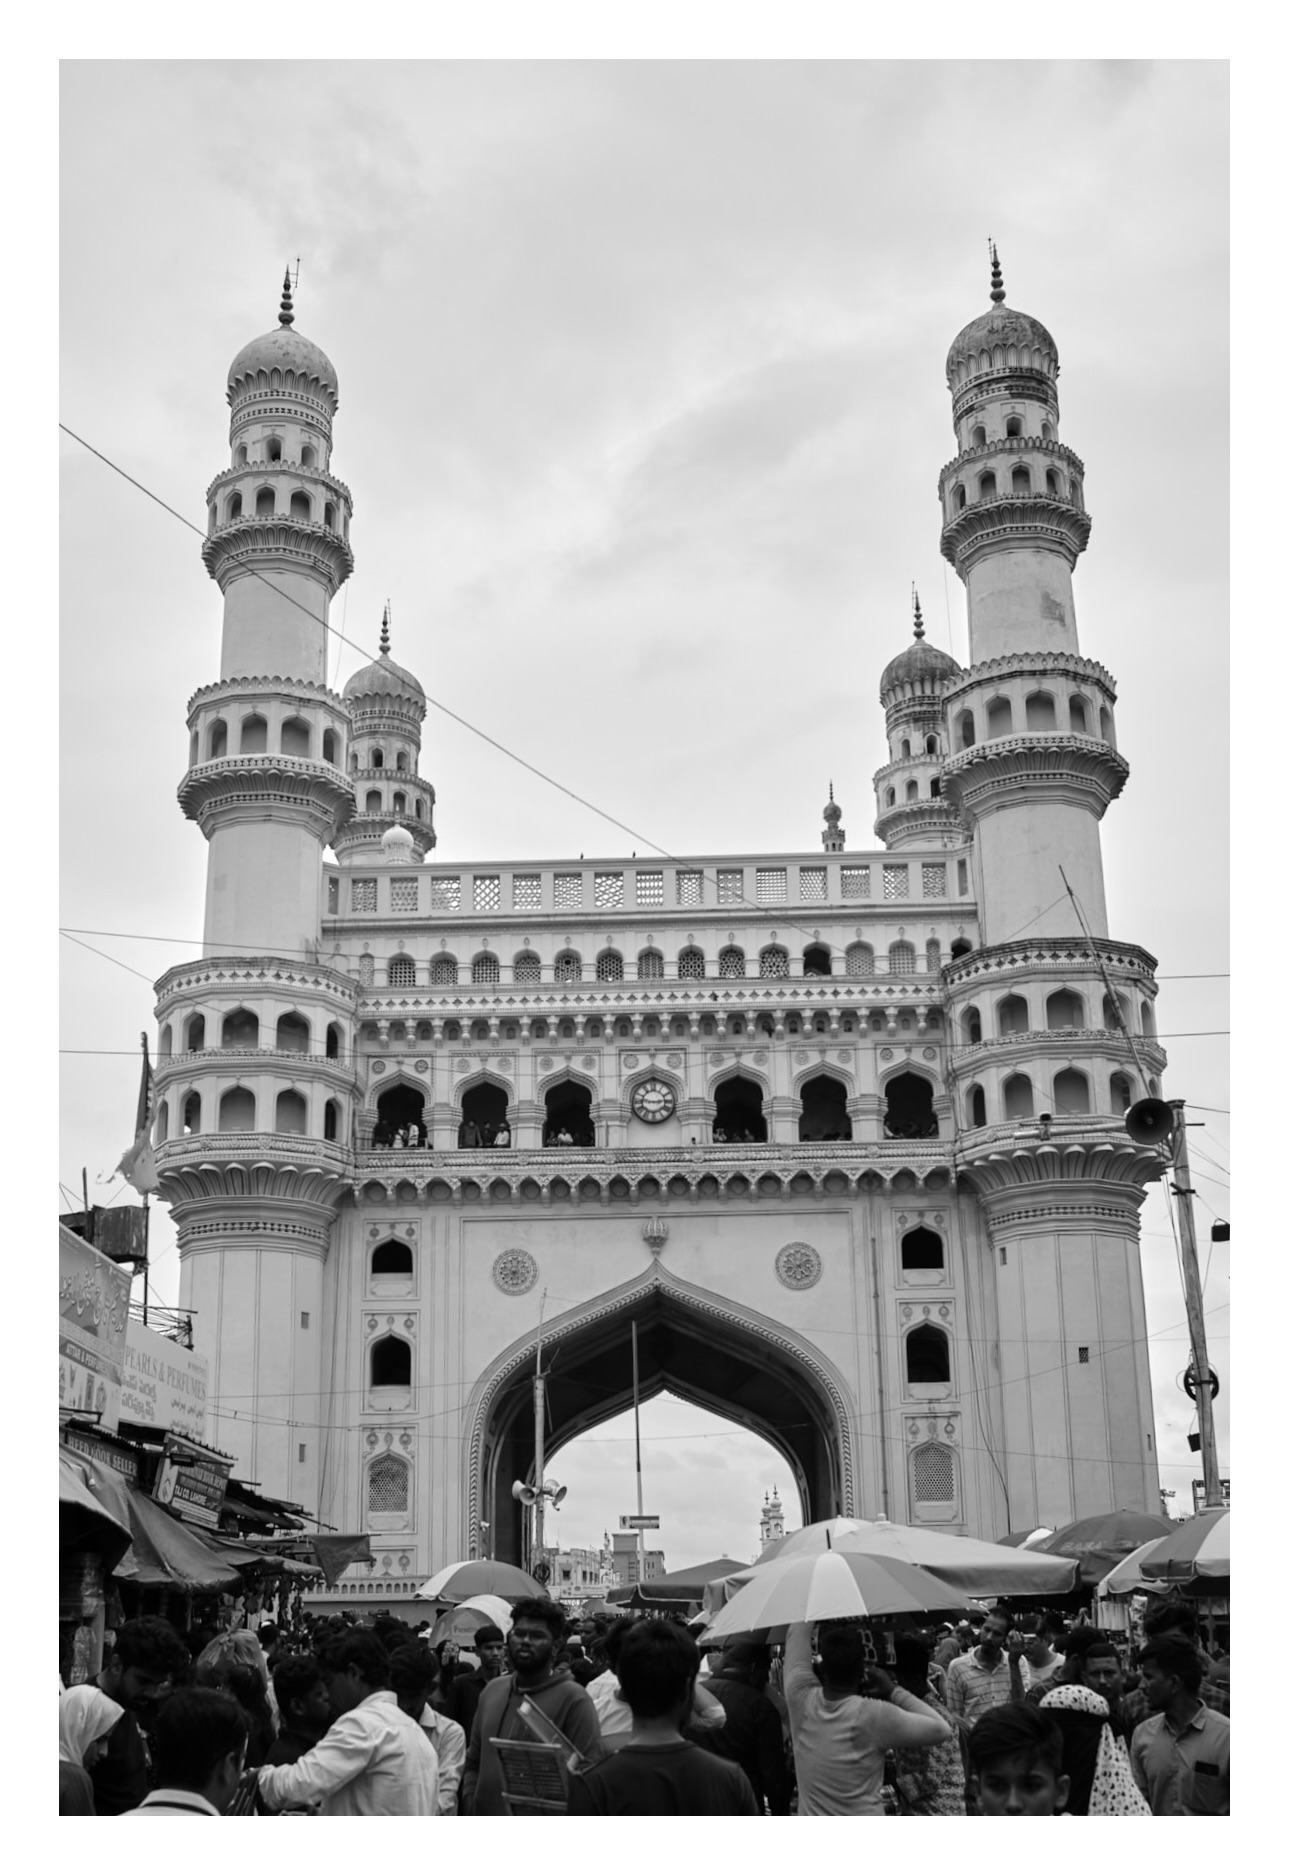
{"points": [[200, 1751], [413, 1675], [839, 1737], [375, 1760]]}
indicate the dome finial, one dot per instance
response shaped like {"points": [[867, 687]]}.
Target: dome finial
{"points": [[997, 291], [919, 629], [286, 315], [384, 631]]}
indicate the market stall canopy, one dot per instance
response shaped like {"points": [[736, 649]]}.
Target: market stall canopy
{"points": [[1098, 1543], [93, 1508], [965, 1563], [831, 1585], [168, 1554], [1200, 1548], [458, 1581], [680, 1590]]}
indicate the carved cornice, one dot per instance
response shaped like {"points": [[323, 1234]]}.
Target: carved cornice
{"points": [[920, 820], [1090, 1149], [1061, 954], [253, 1167], [282, 1063], [293, 687], [1031, 664], [234, 975], [276, 539], [1011, 445], [1080, 770], [264, 472], [285, 786], [1056, 1043], [361, 830], [1014, 520]]}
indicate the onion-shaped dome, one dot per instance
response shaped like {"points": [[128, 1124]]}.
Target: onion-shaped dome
{"points": [[920, 663], [1002, 326], [284, 350], [382, 677], [398, 846]]}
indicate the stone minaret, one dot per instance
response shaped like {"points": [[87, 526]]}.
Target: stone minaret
{"points": [[771, 1519], [255, 1078], [1041, 1068]]}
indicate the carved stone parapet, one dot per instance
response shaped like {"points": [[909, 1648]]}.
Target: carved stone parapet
{"points": [[1092, 1150], [1060, 955], [920, 821], [284, 1063], [1014, 521], [241, 787], [277, 540], [295, 687], [1071, 1043], [1081, 770], [290, 977], [1011, 445], [1031, 664], [301, 471]]}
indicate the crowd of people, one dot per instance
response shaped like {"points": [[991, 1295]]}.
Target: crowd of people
{"points": [[1008, 1716]]}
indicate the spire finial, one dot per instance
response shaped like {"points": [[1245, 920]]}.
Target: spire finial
{"points": [[384, 632], [997, 291], [919, 630], [286, 315]]}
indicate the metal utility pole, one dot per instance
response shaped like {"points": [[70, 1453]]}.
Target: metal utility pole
{"points": [[635, 1395], [1195, 1310], [539, 1446]]}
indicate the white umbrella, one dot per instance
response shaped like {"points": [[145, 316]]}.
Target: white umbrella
{"points": [[458, 1581], [963, 1562], [1126, 1577], [462, 1623], [831, 1586]]}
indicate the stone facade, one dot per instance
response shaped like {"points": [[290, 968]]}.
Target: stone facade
{"points": [[840, 1131]]}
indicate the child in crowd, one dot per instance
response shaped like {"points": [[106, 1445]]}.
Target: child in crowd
{"points": [[1015, 1753]]}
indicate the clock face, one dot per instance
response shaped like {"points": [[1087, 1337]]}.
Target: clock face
{"points": [[653, 1101]]}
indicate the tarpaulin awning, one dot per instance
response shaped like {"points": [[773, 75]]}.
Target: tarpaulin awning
{"points": [[166, 1553], [93, 1508], [680, 1589]]}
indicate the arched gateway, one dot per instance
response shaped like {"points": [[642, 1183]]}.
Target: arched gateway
{"points": [[695, 1345]]}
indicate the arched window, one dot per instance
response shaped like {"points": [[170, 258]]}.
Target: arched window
{"points": [[241, 1029], [391, 1362], [1018, 1098], [1071, 1093], [331, 1120], [234, 509], [959, 497], [192, 1113], [388, 1483], [976, 1100], [966, 730], [910, 791], [240, 458], [932, 745], [392, 1258], [608, 967], [568, 1115], [1107, 727], [1046, 432], [922, 1249], [890, 797], [400, 761], [691, 963], [1052, 482], [902, 959], [483, 1116], [400, 803], [292, 1035], [418, 810], [273, 448], [1064, 1010], [254, 738], [1013, 426], [373, 803], [528, 967], [1078, 716], [292, 1114], [972, 1033], [401, 973], [399, 1109], [237, 1111], [1020, 480], [823, 1109], [301, 506], [329, 747], [999, 717], [443, 970], [910, 1108], [926, 1356], [1076, 491], [1112, 1016], [307, 456], [732, 962], [195, 1036], [329, 515], [378, 758], [1120, 1093], [1148, 1020], [905, 750], [933, 955], [568, 967], [217, 740], [166, 1045], [1013, 1015], [295, 737], [649, 966], [978, 437], [162, 1126], [1040, 711], [859, 960], [774, 961], [988, 485], [933, 1474], [739, 1115], [816, 961], [265, 501]]}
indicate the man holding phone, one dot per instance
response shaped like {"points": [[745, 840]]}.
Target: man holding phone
{"points": [[990, 1674]]}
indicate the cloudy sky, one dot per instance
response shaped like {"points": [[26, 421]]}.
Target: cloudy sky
{"points": [[642, 404]]}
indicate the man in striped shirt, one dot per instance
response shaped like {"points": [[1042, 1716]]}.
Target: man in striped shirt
{"points": [[990, 1674]]}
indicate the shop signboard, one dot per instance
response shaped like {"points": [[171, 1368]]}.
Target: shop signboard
{"points": [[163, 1385], [93, 1311], [191, 1481]]}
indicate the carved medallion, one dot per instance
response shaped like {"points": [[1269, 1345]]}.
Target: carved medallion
{"points": [[798, 1266], [514, 1272]]}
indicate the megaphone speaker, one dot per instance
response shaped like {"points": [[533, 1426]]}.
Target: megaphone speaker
{"points": [[1149, 1122], [523, 1493], [559, 1496]]}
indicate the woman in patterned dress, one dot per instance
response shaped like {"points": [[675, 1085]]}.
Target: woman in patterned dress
{"points": [[928, 1779]]}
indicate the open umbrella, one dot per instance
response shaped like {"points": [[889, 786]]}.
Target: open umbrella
{"points": [[830, 1586], [1098, 1543], [1024, 1539], [963, 1562], [1126, 1577], [462, 1622], [1200, 1547], [458, 1581]]}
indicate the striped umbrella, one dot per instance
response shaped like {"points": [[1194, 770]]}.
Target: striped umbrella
{"points": [[1200, 1548], [964, 1562], [829, 1586]]}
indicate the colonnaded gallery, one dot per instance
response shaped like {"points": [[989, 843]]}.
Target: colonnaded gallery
{"points": [[840, 1130]]}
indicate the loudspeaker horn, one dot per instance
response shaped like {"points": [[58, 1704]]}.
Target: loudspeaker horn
{"points": [[523, 1493], [1149, 1122], [561, 1492]]}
